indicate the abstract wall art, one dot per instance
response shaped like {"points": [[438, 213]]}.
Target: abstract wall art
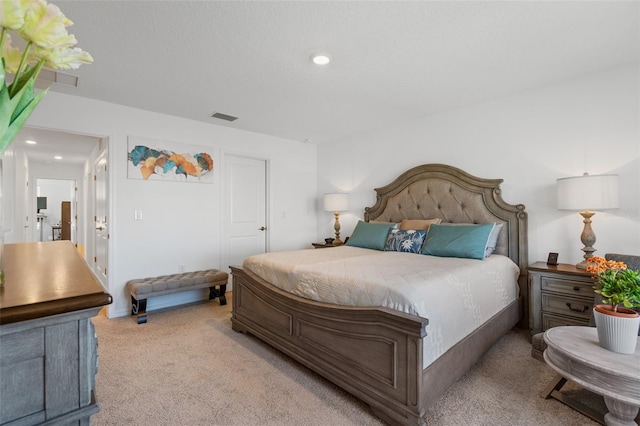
{"points": [[150, 159]]}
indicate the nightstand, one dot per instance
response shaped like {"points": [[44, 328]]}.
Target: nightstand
{"points": [[559, 295]]}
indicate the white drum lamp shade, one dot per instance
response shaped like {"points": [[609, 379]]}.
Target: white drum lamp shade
{"points": [[597, 192], [585, 194], [336, 203]]}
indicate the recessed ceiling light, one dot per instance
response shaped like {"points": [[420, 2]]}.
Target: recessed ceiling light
{"points": [[30, 142], [58, 157], [320, 59]]}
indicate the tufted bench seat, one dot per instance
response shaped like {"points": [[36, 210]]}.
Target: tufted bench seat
{"points": [[142, 289]]}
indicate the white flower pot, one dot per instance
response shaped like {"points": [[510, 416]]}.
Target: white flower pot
{"points": [[617, 333]]}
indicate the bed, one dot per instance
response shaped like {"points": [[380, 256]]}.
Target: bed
{"points": [[374, 352]]}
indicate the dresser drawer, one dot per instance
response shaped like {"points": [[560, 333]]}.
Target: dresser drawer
{"points": [[567, 286], [569, 306], [17, 347], [550, 320]]}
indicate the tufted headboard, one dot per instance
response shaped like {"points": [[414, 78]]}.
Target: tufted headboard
{"points": [[441, 191]]}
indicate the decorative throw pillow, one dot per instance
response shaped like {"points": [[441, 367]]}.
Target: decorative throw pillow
{"points": [[369, 235], [493, 237], [458, 241], [405, 240], [418, 223]]}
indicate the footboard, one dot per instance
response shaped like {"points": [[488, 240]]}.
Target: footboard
{"points": [[373, 353]]}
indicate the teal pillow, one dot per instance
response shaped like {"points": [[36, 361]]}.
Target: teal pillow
{"points": [[370, 235], [458, 241], [493, 237]]}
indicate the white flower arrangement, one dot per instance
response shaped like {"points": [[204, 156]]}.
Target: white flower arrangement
{"points": [[48, 44]]}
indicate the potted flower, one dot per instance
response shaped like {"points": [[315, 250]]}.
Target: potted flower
{"points": [[619, 287]]}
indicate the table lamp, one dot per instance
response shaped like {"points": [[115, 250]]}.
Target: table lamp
{"points": [[336, 203], [587, 193]]}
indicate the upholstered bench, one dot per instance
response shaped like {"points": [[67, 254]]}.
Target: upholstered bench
{"points": [[142, 289]]}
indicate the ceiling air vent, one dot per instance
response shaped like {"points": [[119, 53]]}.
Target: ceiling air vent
{"points": [[49, 76], [222, 116]]}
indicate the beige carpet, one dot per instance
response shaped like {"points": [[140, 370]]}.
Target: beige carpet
{"points": [[187, 367]]}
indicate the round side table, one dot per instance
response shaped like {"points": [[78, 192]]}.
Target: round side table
{"points": [[575, 353]]}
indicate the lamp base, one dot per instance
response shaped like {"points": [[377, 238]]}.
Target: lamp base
{"points": [[588, 238], [336, 227]]}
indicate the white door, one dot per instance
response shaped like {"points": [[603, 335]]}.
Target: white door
{"points": [[26, 213], [8, 196], [101, 237], [25, 195], [74, 214], [245, 213]]}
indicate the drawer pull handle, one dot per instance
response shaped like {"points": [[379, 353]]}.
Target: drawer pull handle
{"points": [[576, 288], [578, 310]]}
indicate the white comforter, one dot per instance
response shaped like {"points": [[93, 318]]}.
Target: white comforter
{"points": [[456, 295]]}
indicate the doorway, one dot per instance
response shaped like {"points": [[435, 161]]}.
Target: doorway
{"points": [[70, 158], [100, 238], [56, 207]]}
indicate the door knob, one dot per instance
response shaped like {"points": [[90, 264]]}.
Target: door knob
{"points": [[262, 228], [99, 228]]}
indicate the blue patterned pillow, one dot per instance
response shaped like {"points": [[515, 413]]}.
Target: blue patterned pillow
{"points": [[409, 240]]}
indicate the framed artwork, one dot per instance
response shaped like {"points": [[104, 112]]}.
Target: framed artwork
{"points": [[150, 159]]}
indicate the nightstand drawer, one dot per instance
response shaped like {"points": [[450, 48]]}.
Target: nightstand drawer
{"points": [[567, 286], [549, 320], [569, 306]]}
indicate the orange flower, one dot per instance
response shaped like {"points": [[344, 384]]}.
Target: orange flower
{"points": [[597, 265]]}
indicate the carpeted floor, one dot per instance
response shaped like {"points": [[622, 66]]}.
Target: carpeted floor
{"points": [[186, 366]]}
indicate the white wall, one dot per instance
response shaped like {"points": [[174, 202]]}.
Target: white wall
{"points": [[530, 140], [181, 222]]}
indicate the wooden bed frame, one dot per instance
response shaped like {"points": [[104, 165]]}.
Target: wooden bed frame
{"points": [[376, 353]]}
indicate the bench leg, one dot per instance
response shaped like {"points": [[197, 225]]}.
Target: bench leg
{"points": [[219, 293], [139, 307]]}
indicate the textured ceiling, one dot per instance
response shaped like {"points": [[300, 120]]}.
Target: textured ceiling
{"points": [[391, 61]]}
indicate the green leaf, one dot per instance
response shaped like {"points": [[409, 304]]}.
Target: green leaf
{"points": [[11, 107], [6, 109], [9, 135], [22, 99], [2, 72], [28, 75]]}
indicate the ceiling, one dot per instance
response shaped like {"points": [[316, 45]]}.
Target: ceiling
{"points": [[392, 61], [72, 148]]}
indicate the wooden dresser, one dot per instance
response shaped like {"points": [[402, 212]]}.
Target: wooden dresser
{"points": [[48, 345], [559, 295]]}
